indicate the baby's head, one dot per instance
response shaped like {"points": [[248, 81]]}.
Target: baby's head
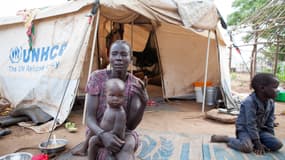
{"points": [[115, 89], [265, 84]]}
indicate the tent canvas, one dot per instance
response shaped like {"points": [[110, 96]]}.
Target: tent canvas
{"points": [[56, 68]]}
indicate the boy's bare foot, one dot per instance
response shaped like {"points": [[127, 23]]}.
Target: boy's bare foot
{"points": [[219, 138], [79, 150]]}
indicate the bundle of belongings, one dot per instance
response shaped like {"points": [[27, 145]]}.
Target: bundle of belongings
{"points": [[9, 116]]}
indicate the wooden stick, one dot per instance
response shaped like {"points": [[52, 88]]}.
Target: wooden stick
{"points": [[206, 71], [91, 60], [272, 42]]}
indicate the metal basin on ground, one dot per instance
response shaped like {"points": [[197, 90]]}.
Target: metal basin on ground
{"points": [[53, 146], [17, 156]]}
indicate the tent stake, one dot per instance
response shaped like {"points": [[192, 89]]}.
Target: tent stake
{"points": [[91, 60], [206, 72]]}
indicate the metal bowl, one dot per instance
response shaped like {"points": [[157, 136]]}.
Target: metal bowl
{"points": [[17, 156], [53, 146]]}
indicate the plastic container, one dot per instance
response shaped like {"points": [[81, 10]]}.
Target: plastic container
{"points": [[198, 94], [211, 96], [198, 88], [201, 84], [17, 156], [280, 97]]}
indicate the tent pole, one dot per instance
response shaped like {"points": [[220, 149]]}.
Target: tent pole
{"points": [[91, 59], [206, 72], [55, 120], [220, 70], [132, 45]]}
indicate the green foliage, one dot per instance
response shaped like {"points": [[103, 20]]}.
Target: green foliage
{"points": [[243, 9], [282, 56], [233, 76], [281, 72], [266, 19], [270, 50], [281, 77]]}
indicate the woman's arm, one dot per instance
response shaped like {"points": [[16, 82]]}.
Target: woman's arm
{"points": [[136, 112], [136, 106], [91, 121]]}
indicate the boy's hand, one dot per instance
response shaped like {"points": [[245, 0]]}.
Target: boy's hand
{"points": [[259, 148]]}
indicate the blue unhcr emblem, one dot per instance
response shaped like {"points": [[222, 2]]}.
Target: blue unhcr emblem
{"points": [[15, 55], [36, 55]]}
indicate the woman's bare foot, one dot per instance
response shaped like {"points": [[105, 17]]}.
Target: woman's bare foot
{"points": [[219, 138], [79, 150]]}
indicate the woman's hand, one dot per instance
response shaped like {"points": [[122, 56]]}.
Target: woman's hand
{"points": [[111, 142]]}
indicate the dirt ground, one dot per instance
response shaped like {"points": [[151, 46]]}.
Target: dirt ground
{"points": [[174, 116], [240, 82]]}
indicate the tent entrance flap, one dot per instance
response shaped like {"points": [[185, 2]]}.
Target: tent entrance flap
{"points": [[182, 58], [146, 62]]}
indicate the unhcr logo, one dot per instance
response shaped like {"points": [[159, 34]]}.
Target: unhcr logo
{"points": [[15, 55], [42, 54]]}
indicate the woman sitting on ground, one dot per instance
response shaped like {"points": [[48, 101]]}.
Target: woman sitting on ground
{"points": [[134, 105]]}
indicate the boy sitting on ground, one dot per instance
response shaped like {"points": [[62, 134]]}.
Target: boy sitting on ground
{"points": [[255, 123]]}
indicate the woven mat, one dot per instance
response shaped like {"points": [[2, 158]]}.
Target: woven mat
{"points": [[176, 146], [220, 151]]}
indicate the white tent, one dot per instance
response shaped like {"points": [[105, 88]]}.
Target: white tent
{"points": [[54, 69]]}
